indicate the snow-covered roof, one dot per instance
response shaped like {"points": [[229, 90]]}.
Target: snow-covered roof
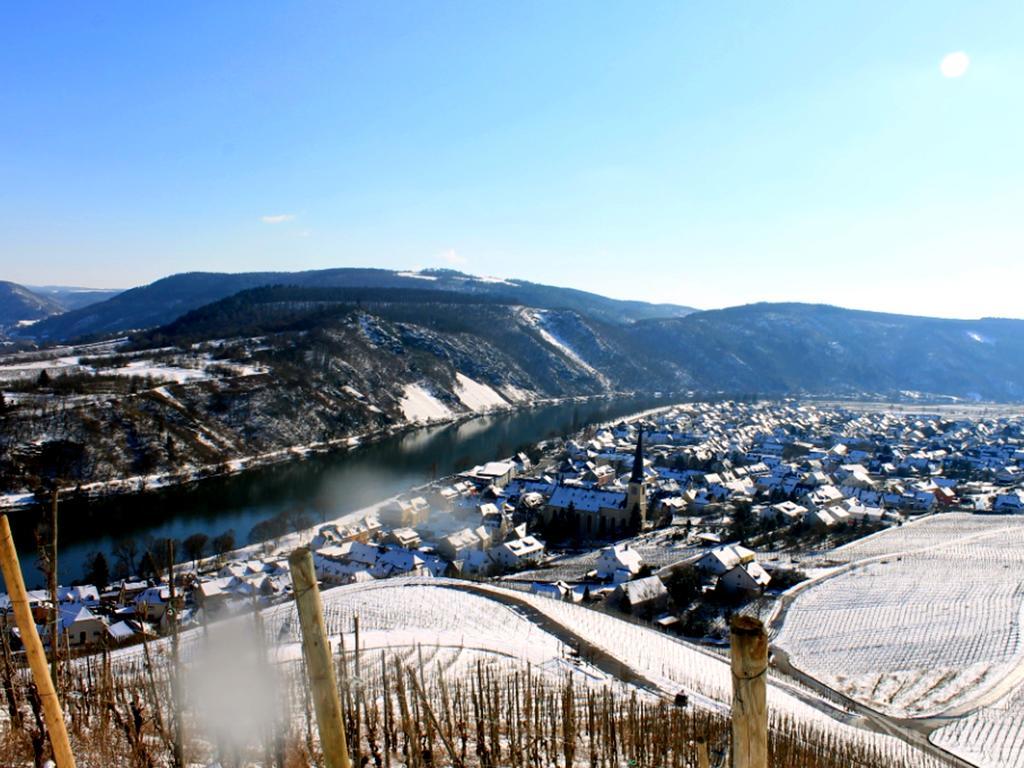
{"points": [[643, 590], [586, 499]]}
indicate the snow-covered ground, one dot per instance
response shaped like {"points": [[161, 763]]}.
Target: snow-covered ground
{"points": [[476, 396], [418, 404], [149, 369], [925, 620], [455, 623], [992, 737]]}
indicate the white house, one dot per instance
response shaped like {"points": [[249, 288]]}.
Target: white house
{"points": [[749, 578], [619, 563], [723, 559], [516, 553], [456, 545], [83, 627]]}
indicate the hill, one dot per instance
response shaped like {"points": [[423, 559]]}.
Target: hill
{"points": [[72, 297], [18, 304], [808, 348], [165, 300]]}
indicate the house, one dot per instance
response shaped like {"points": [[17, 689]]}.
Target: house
{"points": [[557, 590], [619, 563], [121, 632], [1009, 502], [396, 561], [820, 518], [405, 537], [748, 579], [456, 545], [1009, 475], [517, 553], [86, 594], [496, 473], [151, 604], [784, 512], [721, 560], [642, 597], [822, 497], [405, 513], [82, 626]]}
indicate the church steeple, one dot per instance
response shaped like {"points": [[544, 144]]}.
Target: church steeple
{"points": [[636, 495], [638, 460]]}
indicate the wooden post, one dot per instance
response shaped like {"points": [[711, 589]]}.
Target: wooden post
{"points": [[326, 703], [179, 725], [54, 597], [749, 693], [702, 754], [52, 713]]}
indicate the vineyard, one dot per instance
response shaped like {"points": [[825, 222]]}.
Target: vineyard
{"points": [[923, 621], [436, 673]]}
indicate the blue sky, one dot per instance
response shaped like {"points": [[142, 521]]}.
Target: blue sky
{"points": [[706, 154]]}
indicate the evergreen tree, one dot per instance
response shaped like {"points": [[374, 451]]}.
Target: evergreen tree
{"points": [[97, 570]]}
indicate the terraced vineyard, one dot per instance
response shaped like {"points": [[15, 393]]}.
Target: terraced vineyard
{"points": [[925, 620]]}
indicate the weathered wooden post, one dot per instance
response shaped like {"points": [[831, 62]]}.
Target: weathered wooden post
{"points": [[179, 725], [749, 693], [702, 754], [317, 649], [52, 713], [52, 578]]}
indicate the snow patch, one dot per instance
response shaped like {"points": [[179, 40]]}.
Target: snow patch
{"points": [[477, 396], [147, 368], [494, 280], [353, 391], [419, 404], [517, 394], [537, 318]]}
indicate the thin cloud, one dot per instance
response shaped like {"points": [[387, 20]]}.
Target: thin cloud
{"points": [[279, 218]]}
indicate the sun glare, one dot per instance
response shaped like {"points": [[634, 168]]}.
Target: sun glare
{"points": [[955, 64]]}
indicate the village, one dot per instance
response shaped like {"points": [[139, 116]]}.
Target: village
{"points": [[679, 516]]}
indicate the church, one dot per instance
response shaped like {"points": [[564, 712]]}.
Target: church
{"points": [[597, 512]]}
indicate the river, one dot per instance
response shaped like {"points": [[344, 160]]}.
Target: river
{"points": [[323, 486]]}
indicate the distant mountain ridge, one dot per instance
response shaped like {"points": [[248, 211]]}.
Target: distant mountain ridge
{"points": [[813, 348], [73, 297], [759, 348], [165, 300], [19, 304], [777, 349], [273, 368]]}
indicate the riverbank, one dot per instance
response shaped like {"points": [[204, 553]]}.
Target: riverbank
{"points": [[140, 484], [320, 487], [285, 544]]}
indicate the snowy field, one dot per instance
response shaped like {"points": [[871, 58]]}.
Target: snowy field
{"points": [[992, 737], [453, 624], [925, 620]]}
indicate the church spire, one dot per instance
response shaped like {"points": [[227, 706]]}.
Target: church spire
{"points": [[638, 459]]}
